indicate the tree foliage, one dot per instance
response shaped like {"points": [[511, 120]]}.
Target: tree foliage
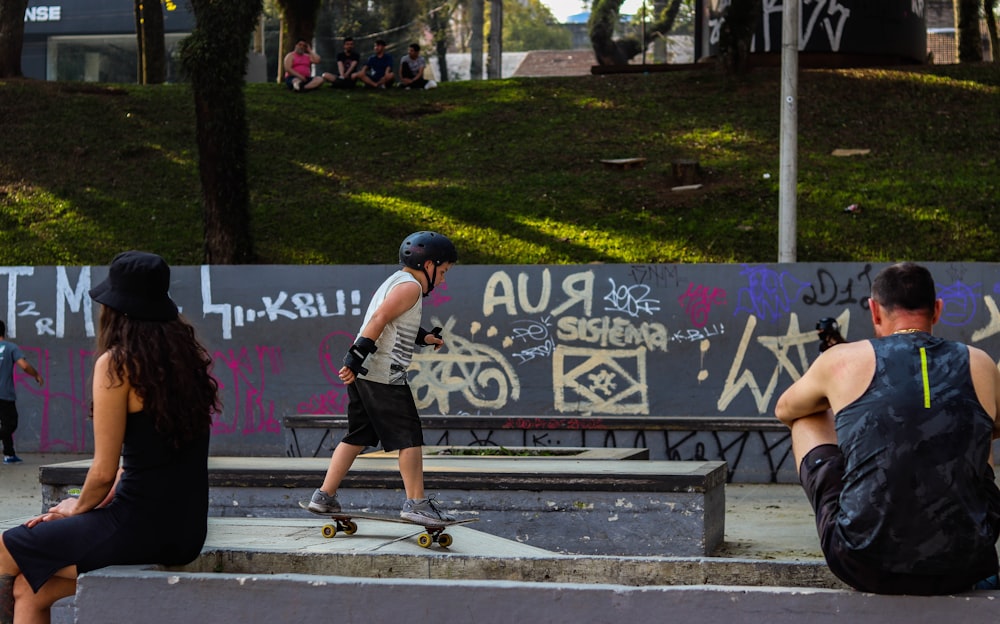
{"points": [[531, 26], [11, 37], [215, 59]]}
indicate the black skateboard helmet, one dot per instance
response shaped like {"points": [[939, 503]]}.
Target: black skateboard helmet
{"points": [[419, 247]]}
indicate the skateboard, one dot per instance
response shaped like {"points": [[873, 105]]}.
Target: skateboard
{"points": [[344, 522]]}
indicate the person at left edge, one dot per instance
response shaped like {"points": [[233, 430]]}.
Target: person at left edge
{"points": [[11, 354]]}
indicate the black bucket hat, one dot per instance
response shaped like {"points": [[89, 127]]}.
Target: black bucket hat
{"points": [[137, 286]]}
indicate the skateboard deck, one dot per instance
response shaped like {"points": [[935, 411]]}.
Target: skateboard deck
{"points": [[344, 522]]}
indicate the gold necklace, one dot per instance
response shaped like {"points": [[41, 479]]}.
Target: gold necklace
{"points": [[912, 330]]}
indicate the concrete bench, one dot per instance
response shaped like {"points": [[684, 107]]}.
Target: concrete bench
{"points": [[576, 506]]}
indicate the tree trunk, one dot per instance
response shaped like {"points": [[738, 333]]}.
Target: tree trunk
{"points": [[494, 61], [603, 19], [740, 20], [477, 11], [151, 48], [298, 23], [215, 58], [970, 47], [438, 23], [660, 44], [11, 37], [991, 26], [325, 36], [663, 23]]}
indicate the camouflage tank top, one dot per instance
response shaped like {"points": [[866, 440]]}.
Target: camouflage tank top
{"points": [[919, 496]]}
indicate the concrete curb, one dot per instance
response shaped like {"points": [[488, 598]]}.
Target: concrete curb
{"points": [[118, 594]]}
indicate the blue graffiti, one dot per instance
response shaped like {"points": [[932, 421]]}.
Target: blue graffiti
{"points": [[766, 295], [960, 303]]}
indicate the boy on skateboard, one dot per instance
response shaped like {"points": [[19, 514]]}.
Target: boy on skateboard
{"points": [[381, 407]]}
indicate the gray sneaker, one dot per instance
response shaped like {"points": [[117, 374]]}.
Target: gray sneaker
{"points": [[424, 510], [321, 502]]}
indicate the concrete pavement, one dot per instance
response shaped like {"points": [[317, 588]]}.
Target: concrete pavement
{"points": [[283, 569], [764, 522]]}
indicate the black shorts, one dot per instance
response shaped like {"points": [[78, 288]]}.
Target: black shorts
{"points": [[382, 413], [290, 81], [822, 477]]}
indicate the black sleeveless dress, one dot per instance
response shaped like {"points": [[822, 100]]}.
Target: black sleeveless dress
{"points": [[158, 514]]}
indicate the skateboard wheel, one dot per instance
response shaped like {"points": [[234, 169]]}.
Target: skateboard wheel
{"points": [[445, 540], [329, 530], [350, 527], [425, 540]]}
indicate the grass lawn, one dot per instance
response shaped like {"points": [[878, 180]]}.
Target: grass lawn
{"points": [[511, 169]]}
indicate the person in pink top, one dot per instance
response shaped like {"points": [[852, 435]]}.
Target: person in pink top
{"points": [[298, 68]]}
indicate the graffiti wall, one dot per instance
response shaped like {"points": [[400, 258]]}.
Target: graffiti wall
{"points": [[712, 342], [890, 27]]}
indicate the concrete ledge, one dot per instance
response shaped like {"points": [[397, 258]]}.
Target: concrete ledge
{"points": [[286, 545], [520, 453], [63, 611], [117, 594], [441, 473], [552, 568], [574, 506]]}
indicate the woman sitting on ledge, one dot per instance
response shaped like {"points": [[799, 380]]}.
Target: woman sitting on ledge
{"points": [[153, 400]]}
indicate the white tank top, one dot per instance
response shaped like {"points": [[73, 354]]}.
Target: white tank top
{"points": [[389, 364]]}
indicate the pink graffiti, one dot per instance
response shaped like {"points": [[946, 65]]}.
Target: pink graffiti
{"points": [[698, 302], [244, 396], [332, 402], [65, 423], [332, 349], [554, 423], [331, 354], [437, 296]]}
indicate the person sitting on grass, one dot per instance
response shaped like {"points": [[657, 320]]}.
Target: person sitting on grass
{"points": [[377, 70], [347, 65], [298, 68], [411, 70]]}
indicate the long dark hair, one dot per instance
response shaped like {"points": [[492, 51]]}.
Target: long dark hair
{"points": [[168, 368]]}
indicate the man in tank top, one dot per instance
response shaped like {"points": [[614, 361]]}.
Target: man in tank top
{"points": [[892, 438]]}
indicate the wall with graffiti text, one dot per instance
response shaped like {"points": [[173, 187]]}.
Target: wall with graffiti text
{"points": [[576, 341]]}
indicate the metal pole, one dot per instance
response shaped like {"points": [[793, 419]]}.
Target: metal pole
{"points": [[788, 176]]}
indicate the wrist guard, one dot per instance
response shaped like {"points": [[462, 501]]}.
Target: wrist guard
{"points": [[355, 358], [423, 333]]}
